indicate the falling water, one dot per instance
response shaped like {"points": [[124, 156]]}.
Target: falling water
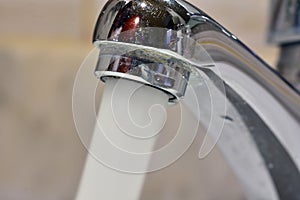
{"points": [[130, 116]]}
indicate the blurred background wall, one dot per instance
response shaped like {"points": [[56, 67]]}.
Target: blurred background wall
{"points": [[42, 45]]}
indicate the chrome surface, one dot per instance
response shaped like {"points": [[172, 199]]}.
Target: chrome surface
{"points": [[263, 110], [146, 65]]}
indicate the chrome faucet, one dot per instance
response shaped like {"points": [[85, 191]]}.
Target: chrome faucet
{"points": [[165, 44]]}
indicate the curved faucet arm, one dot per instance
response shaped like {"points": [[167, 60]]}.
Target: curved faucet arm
{"points": [[224, 47]]}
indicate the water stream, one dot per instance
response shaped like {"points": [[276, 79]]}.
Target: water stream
{"points": [[130, 117]]}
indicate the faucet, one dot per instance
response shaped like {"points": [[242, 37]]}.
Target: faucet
{"points": [[172, 46]]}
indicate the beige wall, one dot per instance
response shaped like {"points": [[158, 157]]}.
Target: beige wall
{"points": [[58, 18], [42, 44]]}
